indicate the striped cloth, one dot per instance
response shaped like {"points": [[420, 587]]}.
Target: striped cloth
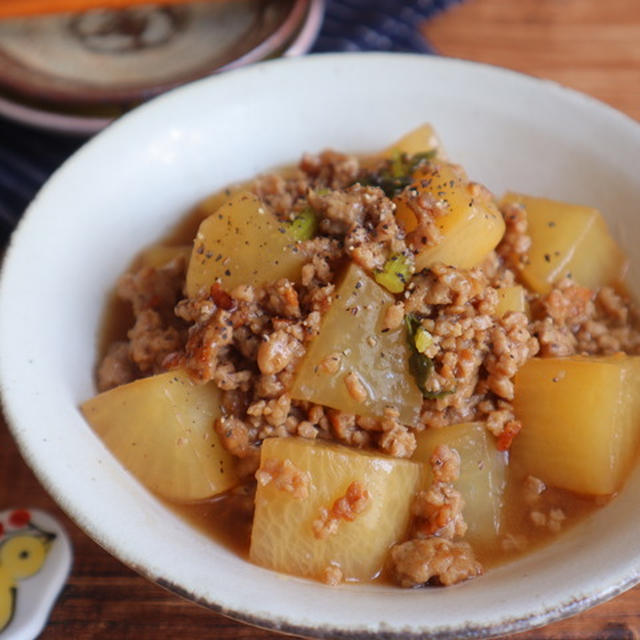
{"points": [[377, 25], [28, 156]]}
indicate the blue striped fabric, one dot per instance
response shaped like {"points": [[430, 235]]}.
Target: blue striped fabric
{"points": [[28, 156], [377, 25]]}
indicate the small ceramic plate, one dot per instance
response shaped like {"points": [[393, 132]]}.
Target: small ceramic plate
{"points": [[42, 118], [119, 57], [139, 52]]}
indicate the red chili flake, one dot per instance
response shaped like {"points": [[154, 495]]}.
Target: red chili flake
{"points": [[19, 518], [221, 297], [1, 529], [510, 431]]}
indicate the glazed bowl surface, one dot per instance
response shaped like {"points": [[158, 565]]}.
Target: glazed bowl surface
{"points": [[128, 187]]}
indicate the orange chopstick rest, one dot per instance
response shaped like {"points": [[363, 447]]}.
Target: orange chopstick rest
{"points": [[17, 8]]}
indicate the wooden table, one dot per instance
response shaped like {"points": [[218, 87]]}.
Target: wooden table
{"points": [[591, 45]]}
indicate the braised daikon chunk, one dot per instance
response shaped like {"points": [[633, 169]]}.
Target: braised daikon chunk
{"points": [[568, 240], [353, 364], [161, 429], [242, 242], [581, 421], [322, 507], [422, 139], [463, 215], [482, 476], [511, 299]]}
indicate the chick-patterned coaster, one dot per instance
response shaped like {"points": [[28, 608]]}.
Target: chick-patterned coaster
{"points": [[35, 560]]}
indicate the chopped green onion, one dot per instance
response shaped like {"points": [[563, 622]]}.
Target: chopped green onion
{"points": [[398, 167], [398, 172], [420, 366], [395, 273], [305, 225], [411, 323], [437, 394], [420, 158], [422, 339]]}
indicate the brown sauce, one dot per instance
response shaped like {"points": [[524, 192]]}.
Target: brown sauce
{"points": [[226, 518], [517, 524]]}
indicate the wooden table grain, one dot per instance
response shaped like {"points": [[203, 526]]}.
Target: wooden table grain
{"points": [[590, 45]]}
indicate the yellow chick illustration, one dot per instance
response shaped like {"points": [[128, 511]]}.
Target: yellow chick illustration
{"points": [[23, 551]]}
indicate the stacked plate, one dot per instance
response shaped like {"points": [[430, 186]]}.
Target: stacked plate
{"points": [[76, 72]]}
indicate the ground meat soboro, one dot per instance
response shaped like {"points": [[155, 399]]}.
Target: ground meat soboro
{"points": [[463, 346]]}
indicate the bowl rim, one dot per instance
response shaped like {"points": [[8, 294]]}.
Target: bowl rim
{"points": [[537, 617]]}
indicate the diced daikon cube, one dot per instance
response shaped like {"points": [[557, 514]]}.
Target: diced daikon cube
{"points": [[161, 429], [568, 240], [468, 220], [352, 353], [482, 476], [298, 530], [242, 243], [580, 421]]}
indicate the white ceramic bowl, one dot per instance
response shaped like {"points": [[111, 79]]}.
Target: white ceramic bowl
{"points": [[127, 187]]}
